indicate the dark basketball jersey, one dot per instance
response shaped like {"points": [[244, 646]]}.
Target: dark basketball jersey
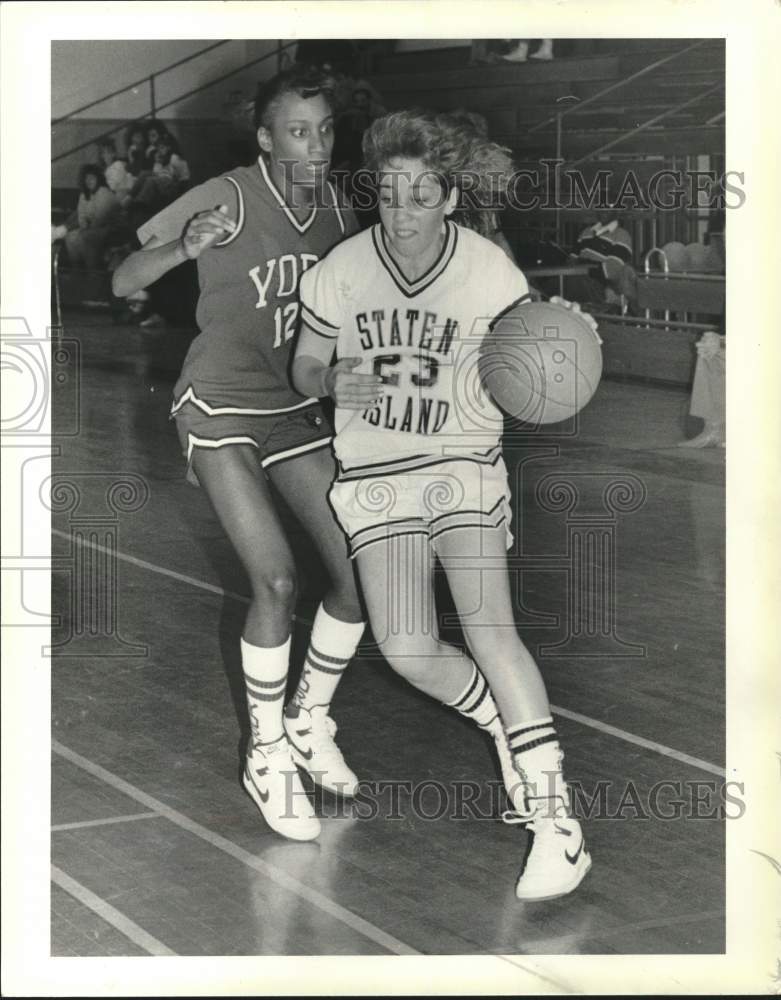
{"points": [[248, 305]]}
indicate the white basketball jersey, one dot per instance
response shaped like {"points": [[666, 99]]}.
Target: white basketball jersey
{"points": [[422, 337]]}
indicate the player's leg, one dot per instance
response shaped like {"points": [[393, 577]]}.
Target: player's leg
{"points": [[397, 581], [396, 569], [396, 577], [558, 861], [304, 482], [237, 488]]}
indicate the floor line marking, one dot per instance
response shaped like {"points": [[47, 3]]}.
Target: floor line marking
{"points": [[642, 925], [83, 824], [154, 568], [585, 720], [640, 741], [345, 916], [109, 913]]}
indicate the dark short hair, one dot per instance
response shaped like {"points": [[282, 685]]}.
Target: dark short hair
{"points": [[306, 81], [85, 171], [132, 128]]}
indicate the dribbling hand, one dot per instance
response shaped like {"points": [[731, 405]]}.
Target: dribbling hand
{"points": [[350, 390], [205, 229]]}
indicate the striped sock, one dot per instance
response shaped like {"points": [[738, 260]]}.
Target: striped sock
{"points": [[476, 701], [331, 647], [526, 736], [265, 679], [537, 757]]}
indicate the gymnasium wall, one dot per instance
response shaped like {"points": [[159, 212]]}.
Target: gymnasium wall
{"points": [[83, 71]]}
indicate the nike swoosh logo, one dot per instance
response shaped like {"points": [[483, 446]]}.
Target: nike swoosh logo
{"points": [[573, 858], [264, 796]]}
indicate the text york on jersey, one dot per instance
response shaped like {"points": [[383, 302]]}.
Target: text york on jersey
{"points": [[281, 276]]}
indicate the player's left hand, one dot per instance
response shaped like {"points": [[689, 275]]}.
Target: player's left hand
{"points": [[575, 307]]}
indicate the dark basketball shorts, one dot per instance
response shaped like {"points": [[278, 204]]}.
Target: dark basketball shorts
{"points": [[278, 437]]}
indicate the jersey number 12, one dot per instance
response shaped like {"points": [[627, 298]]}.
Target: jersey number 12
{"points": [[285, 323]]}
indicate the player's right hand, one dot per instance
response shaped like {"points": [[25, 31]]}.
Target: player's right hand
{"points": [[205, 229], [350, 390]]}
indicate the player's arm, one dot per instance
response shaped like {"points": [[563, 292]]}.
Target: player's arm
{"points": [[314, 375], [156, 258]]}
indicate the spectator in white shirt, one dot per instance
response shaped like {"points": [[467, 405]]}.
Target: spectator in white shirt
{"points": [[118, 178], [98, 215]]}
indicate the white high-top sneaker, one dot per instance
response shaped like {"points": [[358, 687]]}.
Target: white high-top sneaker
{"points": [[271, 780], [557, 861], [311, 734]]}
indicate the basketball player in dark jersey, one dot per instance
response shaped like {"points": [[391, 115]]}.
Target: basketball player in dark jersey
{"points": [[254, 232]]}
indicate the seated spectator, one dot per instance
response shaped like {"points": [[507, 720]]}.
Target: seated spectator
{"points": [[136, 145], [154, 133], [118, 177], [98, 217], [155, 187], [170, 171], [606, 243]]}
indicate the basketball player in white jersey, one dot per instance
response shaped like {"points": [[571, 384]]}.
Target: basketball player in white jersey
{"points": [[403, 307]]}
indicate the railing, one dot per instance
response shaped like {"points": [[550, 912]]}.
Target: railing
{"points": [[155, 108], [616, 86], [558, 118], [137, 83]]}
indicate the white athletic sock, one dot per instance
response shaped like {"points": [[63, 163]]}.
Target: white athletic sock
{"points": [[331, 647], [265, 678], [476, 701], [538, 758]]}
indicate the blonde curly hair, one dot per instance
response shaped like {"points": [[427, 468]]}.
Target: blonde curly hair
{"points": [[453, 146]]}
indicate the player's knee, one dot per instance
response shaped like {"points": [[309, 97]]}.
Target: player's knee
{"points": [[277, 589], [409, 657]]}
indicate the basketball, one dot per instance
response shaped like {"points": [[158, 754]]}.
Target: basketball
{"points": [[541, 363]]}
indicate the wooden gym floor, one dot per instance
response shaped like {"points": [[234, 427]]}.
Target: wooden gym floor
{"points": [[157, 850]]}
